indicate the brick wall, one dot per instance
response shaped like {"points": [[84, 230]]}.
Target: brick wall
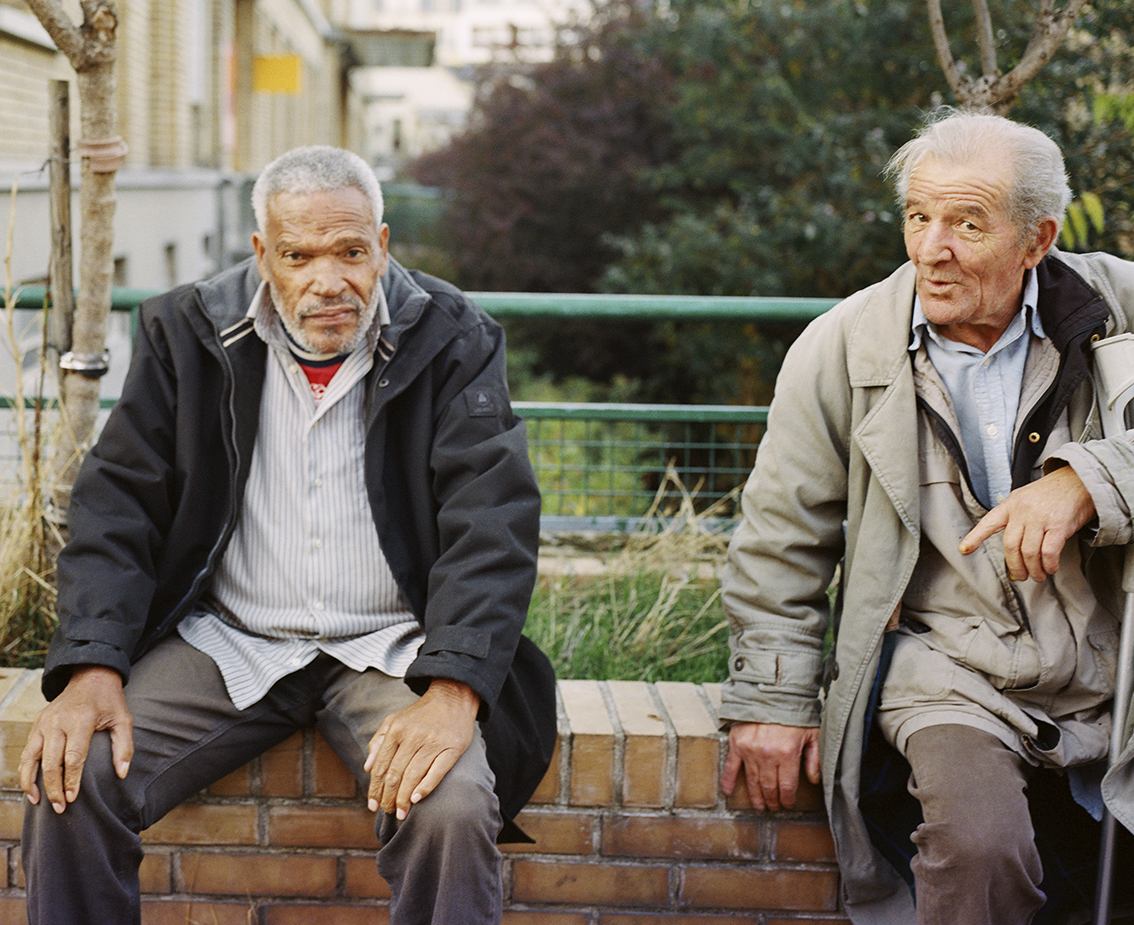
{"points": [[629, 824]]}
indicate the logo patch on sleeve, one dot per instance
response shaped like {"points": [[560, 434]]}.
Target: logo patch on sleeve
{"points": [[482, 403]]}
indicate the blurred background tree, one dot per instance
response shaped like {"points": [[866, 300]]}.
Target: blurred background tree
{"points": [[736, 148], [550, 164]]}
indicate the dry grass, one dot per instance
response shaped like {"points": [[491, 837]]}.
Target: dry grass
{"points": [[27, 594], [654, 612]]}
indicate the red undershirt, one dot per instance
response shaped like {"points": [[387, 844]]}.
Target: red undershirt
{"points": [[319, 372]]}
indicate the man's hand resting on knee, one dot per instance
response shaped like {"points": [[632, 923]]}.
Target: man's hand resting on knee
{"points": [[415, 747], [60, 736], [770, 757]]}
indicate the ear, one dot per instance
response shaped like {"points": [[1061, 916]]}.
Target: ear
{"points": [[384, 248], [1042, 241], [259, 245]]}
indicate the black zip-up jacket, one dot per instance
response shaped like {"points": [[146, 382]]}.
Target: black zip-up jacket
{"points": [[449, 481]]}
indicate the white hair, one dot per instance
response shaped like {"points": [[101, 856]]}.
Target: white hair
{"points": [[315, 169], [1039, 182]]}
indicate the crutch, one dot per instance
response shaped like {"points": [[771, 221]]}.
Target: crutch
{"points": [[1114, 381]]}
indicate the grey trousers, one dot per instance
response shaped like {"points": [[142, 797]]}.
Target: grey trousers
{"points": [[441, 862], [977, 861]]}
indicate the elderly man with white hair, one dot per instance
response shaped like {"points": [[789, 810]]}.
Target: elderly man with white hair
{"points": [[312, 506], [934, 443]]}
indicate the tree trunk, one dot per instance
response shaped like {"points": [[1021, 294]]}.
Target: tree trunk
{"points": [[82, 366], [91, 52]]}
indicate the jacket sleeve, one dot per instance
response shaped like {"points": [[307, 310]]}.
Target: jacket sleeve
{"points": [[120, 509], [785, 550], [487, 509], [1106, 468]]}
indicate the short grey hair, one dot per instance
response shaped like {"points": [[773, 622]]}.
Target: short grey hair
{"points": [[315, 169], [1039, 184]]}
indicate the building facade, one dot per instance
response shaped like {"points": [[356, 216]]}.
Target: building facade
{"points": [[208, 91], [408, 114]]}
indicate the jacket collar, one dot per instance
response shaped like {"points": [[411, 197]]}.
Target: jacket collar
{"points": [[1069, 307], [406, 300], [879, 337], [226, 296]]}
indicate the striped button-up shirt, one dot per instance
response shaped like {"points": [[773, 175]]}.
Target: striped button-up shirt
{"points": [[304, 571]]}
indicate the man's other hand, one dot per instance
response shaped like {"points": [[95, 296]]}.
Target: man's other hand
{"points": [[60, 736], [771, 757], [415, 747], [1037, 520]]}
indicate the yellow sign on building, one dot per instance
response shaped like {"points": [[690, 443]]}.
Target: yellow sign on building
{"points": [[277, 74]]}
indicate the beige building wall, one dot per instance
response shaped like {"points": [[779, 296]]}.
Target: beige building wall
{"points": [[132, 73], [171, 116], [269, 123], [185, 95], [196, 127], [28, 62]]}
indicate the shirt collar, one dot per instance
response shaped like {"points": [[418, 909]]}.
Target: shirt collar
{"points": [[920, 326]]}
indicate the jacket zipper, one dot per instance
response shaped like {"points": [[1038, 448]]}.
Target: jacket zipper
{"points": [[234, 458]]}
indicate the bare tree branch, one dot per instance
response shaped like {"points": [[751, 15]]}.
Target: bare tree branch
{"points": [[953, 74], [64, 33], [993, 90], [985, 38], [90, 48], [1050, 31]]}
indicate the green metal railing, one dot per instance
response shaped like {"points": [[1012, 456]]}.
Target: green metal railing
{"points": [[606, 466]]}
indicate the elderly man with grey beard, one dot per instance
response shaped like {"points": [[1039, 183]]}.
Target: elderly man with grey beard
{"points": [[935, 443], [312, 506]]}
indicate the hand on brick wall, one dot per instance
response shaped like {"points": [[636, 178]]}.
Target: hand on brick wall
{"points": [[771, 756]]}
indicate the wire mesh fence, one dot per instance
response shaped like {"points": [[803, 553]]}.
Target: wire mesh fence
{"points": [[604, 465]]}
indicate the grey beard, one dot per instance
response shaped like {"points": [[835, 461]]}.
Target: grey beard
{"points": [[295, 330]]}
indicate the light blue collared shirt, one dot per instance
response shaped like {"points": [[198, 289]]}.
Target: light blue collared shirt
{"points": [[985, 388]]}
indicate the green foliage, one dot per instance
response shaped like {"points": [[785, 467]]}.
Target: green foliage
{"points": [[752, 165], [1082, 99], [1084, 213], [548, 167], [1114, 107], [783, 117]]}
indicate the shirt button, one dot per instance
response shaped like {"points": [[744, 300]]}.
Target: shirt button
{"points": [[318, 544], [992, 431], [738, 665], [318, 483], [318, 605]]}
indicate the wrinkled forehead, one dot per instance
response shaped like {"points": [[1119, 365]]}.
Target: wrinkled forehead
{"points": [[981, 184]]}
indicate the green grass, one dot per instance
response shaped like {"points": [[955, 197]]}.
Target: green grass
{"points": [[654, 611], [642, 626]]}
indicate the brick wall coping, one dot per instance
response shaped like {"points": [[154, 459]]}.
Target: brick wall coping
{"points": [[629, 826]]}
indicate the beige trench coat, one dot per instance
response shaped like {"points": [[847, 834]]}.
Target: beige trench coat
{"points": [[836, 484]]}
